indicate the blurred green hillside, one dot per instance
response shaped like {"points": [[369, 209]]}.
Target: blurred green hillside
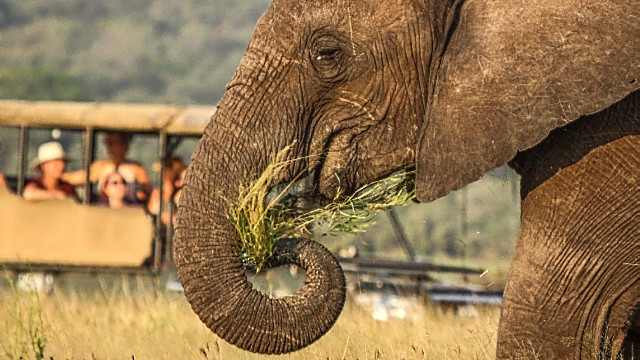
{"points": [[161, 51], [184, 52]]}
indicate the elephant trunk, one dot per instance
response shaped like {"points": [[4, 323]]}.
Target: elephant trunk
{"points": [[212, 272]]}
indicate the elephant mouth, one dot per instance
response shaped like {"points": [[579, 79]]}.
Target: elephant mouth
{"points": [[301, 195], [305, 201]]}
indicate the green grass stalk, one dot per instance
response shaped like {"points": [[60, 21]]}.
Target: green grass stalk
{"points": [[26, 324], [260, 224]]}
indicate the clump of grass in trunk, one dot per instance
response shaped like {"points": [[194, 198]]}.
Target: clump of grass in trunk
{"points": [[260, 224]]}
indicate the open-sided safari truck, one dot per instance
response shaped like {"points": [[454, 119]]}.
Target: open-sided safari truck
{"points": [[62, 235]]}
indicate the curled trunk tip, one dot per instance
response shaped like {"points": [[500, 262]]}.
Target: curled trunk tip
{"points": [[224, 299]]}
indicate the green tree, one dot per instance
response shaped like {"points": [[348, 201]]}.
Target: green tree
{"points": [[34, 83]]}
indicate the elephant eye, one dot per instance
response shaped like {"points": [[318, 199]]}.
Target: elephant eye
{"points": [[327, 61], [327, 54]]}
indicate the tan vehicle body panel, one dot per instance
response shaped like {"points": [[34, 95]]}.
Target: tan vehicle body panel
{"points": [[62, 232]]}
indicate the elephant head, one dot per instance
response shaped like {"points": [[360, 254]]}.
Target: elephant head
{"points": [[365, 88]]}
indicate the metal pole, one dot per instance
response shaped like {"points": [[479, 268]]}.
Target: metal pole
{"points": [[515, 193], [400, 234], [86, 163], [168, 253], [464, 223], [22, 155], [157, 253]]}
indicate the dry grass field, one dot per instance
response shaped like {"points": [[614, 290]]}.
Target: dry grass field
{"points": [[111, 322]]}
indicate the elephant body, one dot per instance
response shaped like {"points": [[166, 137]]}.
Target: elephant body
{"points": [[451, 89], [574, 287]]}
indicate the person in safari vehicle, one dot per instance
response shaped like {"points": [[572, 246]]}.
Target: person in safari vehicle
{"points": [[113, 192], [50, 163], [135, 175], [3, 181]]}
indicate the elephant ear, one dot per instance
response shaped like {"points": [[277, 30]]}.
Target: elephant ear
{"points": [[511, 72]]}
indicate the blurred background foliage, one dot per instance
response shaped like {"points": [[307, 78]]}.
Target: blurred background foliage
{"points": [[160, 51], [184, 53]]}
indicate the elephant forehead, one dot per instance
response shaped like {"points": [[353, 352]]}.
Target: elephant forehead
{"points": [[358, 18]]}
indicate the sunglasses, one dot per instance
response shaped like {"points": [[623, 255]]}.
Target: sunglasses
{"points": [[117, 182]]}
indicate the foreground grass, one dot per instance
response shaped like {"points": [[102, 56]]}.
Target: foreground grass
{"points": [[146, 324]]}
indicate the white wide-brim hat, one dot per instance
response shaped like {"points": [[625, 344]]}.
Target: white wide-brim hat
{"points": [[47, 152]]}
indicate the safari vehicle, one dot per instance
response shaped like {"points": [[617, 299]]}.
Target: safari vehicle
{"points": [[63, 235]]}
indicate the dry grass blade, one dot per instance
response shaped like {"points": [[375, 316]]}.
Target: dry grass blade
{"points": [[260, 223], [353, 213], [257, 221]]}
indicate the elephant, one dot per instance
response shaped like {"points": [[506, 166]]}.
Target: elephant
{"points": [[450, 89]]}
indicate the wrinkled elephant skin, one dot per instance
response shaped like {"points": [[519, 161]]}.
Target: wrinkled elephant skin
{"points": [[453, 89]]}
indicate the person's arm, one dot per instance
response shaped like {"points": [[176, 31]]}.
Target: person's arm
{"points": [[78, 177], [143, 181], [74, 177], [142, 178], [153, 205], [96, 170]]}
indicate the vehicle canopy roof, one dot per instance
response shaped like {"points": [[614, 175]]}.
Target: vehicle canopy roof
{"points": [[187, 120]]}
